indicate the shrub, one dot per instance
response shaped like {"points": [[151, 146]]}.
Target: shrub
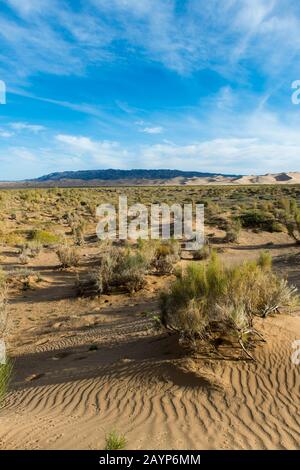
{"points": [[130, 272], [165, 255], [203, 252], [11, 238], [209, 301], [291, 218], [233, 231], [265, 260], [25, 278], [78, 232], [258, 220], [5, 374], [3, 302], [68, 256], [34, 247], [115, 441], [24, 256], [5, 369], [119, 268], [43, 237]]}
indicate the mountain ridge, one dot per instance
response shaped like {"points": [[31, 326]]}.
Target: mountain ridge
{"points": [[156, 177]]}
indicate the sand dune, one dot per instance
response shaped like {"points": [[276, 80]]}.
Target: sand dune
{"points": [[135, 383]]}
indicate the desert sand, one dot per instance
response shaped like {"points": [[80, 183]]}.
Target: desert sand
{"points": [[84, 367]]}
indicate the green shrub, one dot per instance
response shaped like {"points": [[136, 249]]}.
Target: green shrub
{"points": [[130, 271], [233, 230], [43, 237], [203, 253], [119, 268], [5, 369], [5, 374], [115, 441], [265, 260], [209, 300], [258, 220], [291, 219]]}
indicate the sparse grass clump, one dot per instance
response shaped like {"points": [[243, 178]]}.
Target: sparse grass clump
{"points": [[68, 256], [5, 374], [166, 255], [209, 301], [161, 255], [3, 302], [115, 441], [265, 260], [130, 272], [119, 269], [233, 230], [44, 237], [5, 369]]}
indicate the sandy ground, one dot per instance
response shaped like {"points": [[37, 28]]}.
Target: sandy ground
{"points": [[84, 367]]}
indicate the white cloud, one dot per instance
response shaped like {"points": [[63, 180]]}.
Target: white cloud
{"points": [[152, 130], [24, 126], [104, 153], [21, 153], [232, 155], [6, 134], [58, 39]]}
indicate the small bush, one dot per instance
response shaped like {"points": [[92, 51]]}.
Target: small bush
{"points": [[24, 257], [12, 238], [43, 237], [5, 374], [115, 441], [24, 278], [208, 300], [119, 268], [68, 256], [130, 272], [291, 219], [5, 369], [3, 302], [265, 260], [165, 256], [258, 219], [233, 230]]}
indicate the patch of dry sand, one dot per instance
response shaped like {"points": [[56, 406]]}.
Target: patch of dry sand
{"points": [[66, 394]]}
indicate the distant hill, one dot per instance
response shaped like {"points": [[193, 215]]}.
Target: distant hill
{"points": [[94, 178], [109, 175]]}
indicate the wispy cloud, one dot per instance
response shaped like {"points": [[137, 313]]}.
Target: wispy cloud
{"points": [[24, 126], [55, 38], [6, 134], [152, 130], [189, 84], [104, 153]]}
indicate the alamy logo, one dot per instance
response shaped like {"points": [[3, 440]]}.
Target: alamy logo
{"points": [[162, 221], [2, 92], [296, 353], [2, 352]]}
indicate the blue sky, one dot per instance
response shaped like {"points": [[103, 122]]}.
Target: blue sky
{"points": [[191, 84]]}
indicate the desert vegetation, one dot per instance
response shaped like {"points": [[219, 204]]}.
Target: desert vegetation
{"points": [[210, 302], [132, 325], [115, 441], [5, 367]]}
